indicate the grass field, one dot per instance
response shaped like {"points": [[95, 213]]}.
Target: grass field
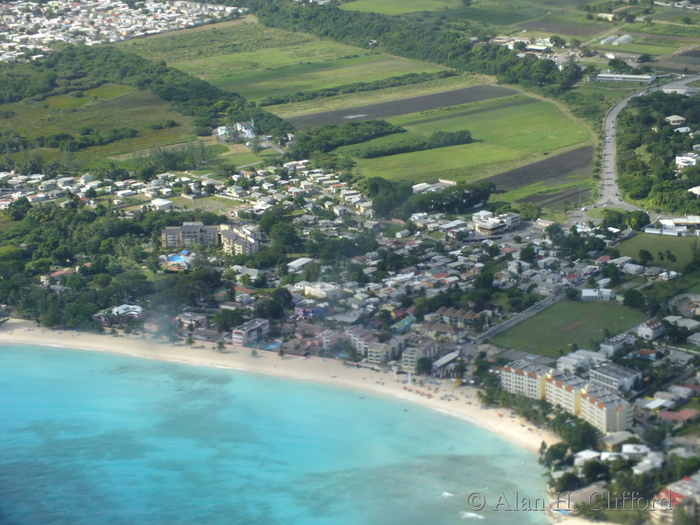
{"points": [[398, 7], [567, 323], [259, 62], [137, 109], [681, 247], [461, 163]]}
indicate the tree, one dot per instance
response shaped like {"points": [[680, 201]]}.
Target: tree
{"points": [[280, 352], [596, 471], [527, 254], [424, 365], [572, 294], [634, 299], [283, 296], [220, 345], [645, 256]]}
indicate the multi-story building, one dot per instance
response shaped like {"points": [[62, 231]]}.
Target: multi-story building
{"points": [[527, 379], [580, 359], [190, 233], [360, 339], [564, 390], [239, 240], [250, 332], [387, 351], [613, 377], [605, 411], [651, 329], [411, 356]]}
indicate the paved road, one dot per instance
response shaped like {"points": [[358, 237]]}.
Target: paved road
{"points": [[609, 191]]}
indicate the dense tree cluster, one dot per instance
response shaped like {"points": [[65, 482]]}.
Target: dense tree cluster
{"points": [[647, 146], [323, 139], [438, 139]]}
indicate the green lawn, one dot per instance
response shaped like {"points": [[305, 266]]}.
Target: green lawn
{"points": [[681, 247], [398, 7], [567, 323]]}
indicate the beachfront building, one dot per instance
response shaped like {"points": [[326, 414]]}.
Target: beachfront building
{"points": [[526, 379], [612, 377], [411, 356], [251, 332], [605, 411], [119, 315], [387, 351], [188, 234], [360, 339], [564, 390]]}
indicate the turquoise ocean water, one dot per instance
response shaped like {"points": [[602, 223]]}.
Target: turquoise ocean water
{"points": [[91, 438]]}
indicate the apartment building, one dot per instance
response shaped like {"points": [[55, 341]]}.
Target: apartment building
{"points": [[526, 379], [251, 332]]}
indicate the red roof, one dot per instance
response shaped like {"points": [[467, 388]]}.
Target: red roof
{"points": [[684, 415]]}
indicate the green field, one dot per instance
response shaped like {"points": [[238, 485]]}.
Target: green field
{"points": [[510, 132], [137, 109], [259, 62], [398, 7], [681, 247], [462, 163], [517, 122], [567, 323], [363, 98]]}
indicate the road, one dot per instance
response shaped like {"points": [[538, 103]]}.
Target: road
{"points": [[609, 191]]}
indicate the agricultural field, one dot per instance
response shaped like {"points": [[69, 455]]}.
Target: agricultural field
{"points": [[568, 323], [518, 122], [259, 62], [508, 131], [401, 107], [399, 7], [125, 109], [469, 162], [378, 96], [551, 182], [681, 247]]}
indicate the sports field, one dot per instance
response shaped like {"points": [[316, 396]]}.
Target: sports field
{"points": [[680, 247], [568, 323]]}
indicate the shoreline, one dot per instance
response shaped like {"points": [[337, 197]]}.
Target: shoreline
{"points": [[459, 402]]}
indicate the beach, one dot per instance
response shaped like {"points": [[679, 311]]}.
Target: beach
{"points": [[460, 402]]}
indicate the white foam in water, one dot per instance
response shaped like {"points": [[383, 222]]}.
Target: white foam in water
{"points": [[470, 515], [447, 495]]}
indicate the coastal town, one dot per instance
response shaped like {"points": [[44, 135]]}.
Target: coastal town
{"points": [[550, 297], [631, 386]]}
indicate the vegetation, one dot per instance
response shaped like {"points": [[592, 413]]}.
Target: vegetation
{"points": [[647, 146]]}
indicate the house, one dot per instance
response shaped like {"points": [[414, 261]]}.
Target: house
{"points": [[675, 120], [686, 159], [651, 329], [247, 128]]}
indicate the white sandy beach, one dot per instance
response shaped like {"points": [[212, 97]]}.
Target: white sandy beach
{"points": [[457, 402]]}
